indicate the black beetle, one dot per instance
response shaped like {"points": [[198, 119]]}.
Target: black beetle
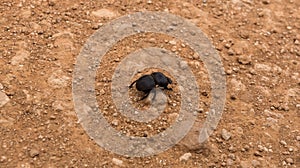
{"points": [[147, 82], [161, 80]]}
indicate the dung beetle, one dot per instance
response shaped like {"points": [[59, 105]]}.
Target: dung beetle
{"points": [[161, 80], [147, 82]]}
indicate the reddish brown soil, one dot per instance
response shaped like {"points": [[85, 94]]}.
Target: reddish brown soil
{"points": [[257, 40]]}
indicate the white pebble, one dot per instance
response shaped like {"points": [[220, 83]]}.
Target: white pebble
{"points": [[225, 134], [173, 42], [185, 157], [282, 142], [117, 162]]}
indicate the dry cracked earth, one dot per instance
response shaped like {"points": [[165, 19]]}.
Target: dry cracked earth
{"points": [[259, 45]]}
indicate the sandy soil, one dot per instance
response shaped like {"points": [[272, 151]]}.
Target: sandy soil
{"points": [[257, 40]]}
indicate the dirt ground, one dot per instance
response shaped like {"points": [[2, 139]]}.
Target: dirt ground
{"points": [[257, 40]]}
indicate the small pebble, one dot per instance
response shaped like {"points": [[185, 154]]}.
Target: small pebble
{"points": [[229, 162], [255, 163], [3, 159], [227, 45], [232, 149], [232, 156], [260, 148], [173, 42], [117, 162], [115, 122], [185, 157], [289, 160], [3, 99], [284, 163], [225, 134], [228, 71], [52, 117], [239, 130], [195, 56], [286, 153], [285, 108], [223, 164], [257, 153], [282, 142], [33, 153], [244, 60], [174, 48], [230, 52]]}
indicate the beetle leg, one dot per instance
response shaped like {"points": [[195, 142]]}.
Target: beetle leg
{"points": [[153, 98], [132, 84], [147, 94], [166, 87]]}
